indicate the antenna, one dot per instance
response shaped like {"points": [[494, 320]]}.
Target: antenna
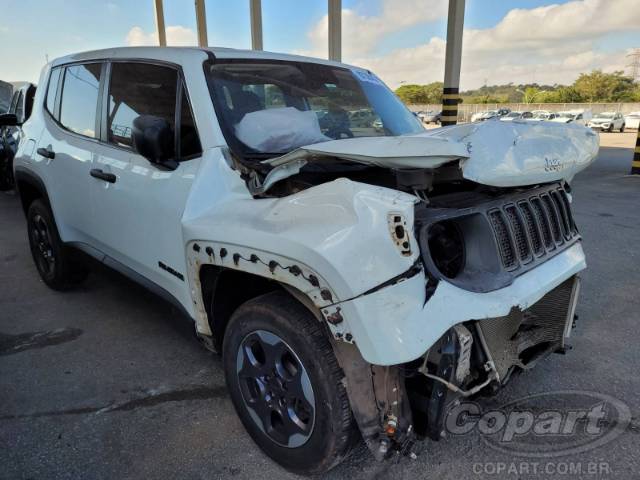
{"points": [[634, 64]]}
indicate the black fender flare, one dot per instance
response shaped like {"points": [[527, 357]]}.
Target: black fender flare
{"points": [[26, 176]]}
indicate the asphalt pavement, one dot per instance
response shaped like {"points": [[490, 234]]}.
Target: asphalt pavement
{"points": [[108, 381]]}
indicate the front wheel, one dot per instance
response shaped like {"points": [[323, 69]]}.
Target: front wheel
{"points": [[622, 128], [286, 384]]}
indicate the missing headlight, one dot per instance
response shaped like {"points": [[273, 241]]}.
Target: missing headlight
{"points": [[446, 245]]}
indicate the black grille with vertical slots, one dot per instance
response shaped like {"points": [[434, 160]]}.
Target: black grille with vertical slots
{"points": [[519, 233], [552, 215], [539, 223], [502, 234], [503, 239], [542, 221], [532, 229]]}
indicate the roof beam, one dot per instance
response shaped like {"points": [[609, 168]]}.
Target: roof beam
{"points": [[201, 22], [255, 8], [335, 30], [159, 14]]}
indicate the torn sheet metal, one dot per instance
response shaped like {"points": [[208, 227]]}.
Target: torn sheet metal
{"points": [[416, 325]]}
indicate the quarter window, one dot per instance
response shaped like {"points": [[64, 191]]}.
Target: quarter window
{"points": [[51, 89], [20, 108], [189, 141], [139, 89], [80, 98]]}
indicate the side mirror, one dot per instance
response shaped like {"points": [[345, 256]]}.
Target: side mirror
{"points": [[154, 140], [8, 120]]}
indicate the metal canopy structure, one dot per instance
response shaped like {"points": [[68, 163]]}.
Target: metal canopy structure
{"points": [[455, 27]]}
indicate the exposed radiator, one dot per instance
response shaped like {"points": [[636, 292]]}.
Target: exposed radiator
{"points": [[522, 337]]}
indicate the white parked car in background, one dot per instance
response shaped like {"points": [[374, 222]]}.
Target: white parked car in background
{"points": [[632, 120], [343, 283], [608, 122], [576, 116], [511, 116], [542, 115]]}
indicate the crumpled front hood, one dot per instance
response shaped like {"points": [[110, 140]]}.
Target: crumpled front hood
{"points": [[501, 154], [522, 153]]}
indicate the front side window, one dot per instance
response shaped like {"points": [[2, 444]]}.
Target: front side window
{"points": [[80, 98], [51, 89], [139, 89], [270, 108]]}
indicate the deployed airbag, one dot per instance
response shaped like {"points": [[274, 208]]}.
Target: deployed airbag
{"points": [[279, 129]]}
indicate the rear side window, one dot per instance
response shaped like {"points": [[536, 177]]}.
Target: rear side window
{"points": [[139, 89], [80, 98], [51, 90]]}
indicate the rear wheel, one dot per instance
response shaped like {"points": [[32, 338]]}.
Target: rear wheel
{"points": [[286, 384], [622, 128], [6, 170], [54, 261]]}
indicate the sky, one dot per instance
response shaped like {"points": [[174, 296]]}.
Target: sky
{"points": [[403, 41]]}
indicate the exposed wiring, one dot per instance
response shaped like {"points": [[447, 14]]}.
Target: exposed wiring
{"points": [[454, 388]]}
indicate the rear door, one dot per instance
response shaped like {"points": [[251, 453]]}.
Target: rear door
{"points": [[138, 213], [67, 146]]}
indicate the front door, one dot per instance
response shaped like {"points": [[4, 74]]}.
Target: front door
{"points": [[139, 207]]}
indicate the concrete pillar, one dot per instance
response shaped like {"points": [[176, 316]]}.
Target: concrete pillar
{"points": [[335, 29], [201, 22], [453, 60], [635, 163], [159, 11], [255, 8]]}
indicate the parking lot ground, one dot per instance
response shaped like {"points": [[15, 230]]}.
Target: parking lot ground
{"points": [[108, 381]]}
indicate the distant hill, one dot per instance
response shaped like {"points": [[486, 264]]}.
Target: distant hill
{"points": [[595, 86]]}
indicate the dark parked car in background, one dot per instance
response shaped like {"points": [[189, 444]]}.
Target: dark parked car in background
{"points": [[20, 106], [6, 90], [430, 116]]}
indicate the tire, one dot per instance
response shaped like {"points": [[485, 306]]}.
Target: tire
{"points": [[54, 261], [610, 128], [277, 356], [6, 171], [622, 128]]}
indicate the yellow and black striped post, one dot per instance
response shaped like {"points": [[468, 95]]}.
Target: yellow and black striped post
{"points": [[635, 165], [450, 100]]}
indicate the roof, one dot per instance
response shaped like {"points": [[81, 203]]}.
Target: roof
{"points": [[179, 54]]}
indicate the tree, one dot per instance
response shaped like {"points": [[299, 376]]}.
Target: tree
{"points": [[604, 87], [421, 94], [412, 94], [563, 95]]}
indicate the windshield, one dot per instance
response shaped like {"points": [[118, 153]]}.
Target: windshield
{"points": [[606, 115], [566, 115], [513, 114], [541, 115], [269, 108]]}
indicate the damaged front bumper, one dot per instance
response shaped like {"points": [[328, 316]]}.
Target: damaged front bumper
{"points": [[398, 324]]}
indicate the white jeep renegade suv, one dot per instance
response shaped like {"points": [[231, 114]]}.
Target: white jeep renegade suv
{"points": [[356, 279]]}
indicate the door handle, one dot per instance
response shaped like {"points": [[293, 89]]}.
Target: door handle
{"points": [[107, 177], [46, 153]]}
